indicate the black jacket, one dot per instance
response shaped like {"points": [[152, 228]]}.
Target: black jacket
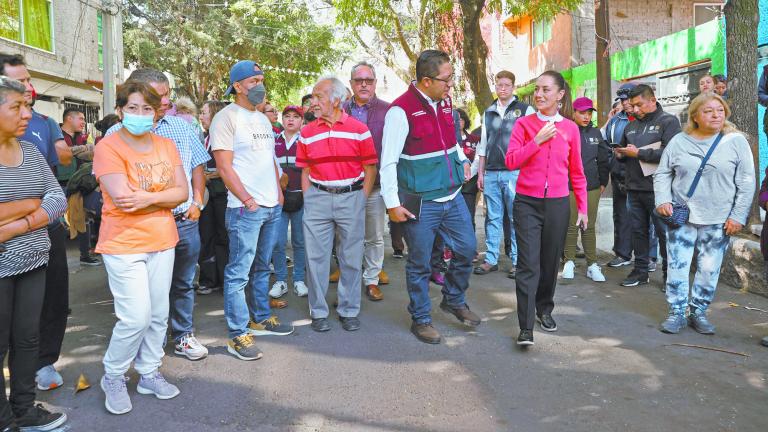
{"points": [[654, 127], [498, 130], [595, 153]]}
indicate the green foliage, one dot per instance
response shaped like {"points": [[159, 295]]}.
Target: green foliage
{"points": [[198, 42], [541, 9]]}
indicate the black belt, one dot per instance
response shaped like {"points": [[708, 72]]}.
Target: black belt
{"points": [[340, 190]]}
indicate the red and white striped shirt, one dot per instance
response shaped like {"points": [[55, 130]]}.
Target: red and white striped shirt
{"points": [[335, 154]]}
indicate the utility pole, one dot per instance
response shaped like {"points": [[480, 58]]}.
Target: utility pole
{"points": [[110, 21], [603, 61]]}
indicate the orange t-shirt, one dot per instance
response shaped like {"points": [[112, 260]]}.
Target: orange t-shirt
{"points": [[127, 233]]}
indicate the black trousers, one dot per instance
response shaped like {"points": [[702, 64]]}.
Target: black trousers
{"points": [[622, 223], [541, 225], [21, 300], [641, 206], [214, 240], [471, 200], [53, 319], [396, 232]]}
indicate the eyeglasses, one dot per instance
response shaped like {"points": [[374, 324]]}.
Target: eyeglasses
{"points": [[448, 80], [269, 111], [366, 81]]}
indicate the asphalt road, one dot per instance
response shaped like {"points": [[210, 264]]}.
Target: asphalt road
{"points": [[608, 368]]}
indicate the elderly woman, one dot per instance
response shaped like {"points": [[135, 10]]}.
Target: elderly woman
{"points": [[719, 205], [30, 198], [142, 179]]}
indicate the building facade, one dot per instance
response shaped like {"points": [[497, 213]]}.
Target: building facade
{"points": [[62, 42]]}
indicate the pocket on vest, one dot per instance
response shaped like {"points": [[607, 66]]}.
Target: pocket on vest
{"points": [[429, 176]]}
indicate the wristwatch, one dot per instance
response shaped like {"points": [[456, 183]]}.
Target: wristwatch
{"points": [[198, 205]]}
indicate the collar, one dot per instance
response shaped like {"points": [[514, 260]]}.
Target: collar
{"points": [[354, 105], [342, 119], [295, 136], [511, 101], [557, 117], [427, 98]]}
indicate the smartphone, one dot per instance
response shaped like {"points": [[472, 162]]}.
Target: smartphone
{"points": [[582, 226], [614, 145]]}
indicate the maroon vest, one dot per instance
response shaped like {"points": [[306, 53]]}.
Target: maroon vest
{"points": [[427, 132], [287, 161]]}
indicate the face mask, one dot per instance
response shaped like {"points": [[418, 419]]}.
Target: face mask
{"points": [[256, 94], [138, 124]]}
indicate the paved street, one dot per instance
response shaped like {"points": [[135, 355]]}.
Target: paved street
{"points": [[607, 369]]}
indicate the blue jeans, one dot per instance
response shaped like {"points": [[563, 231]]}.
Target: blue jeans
{"points": [[297, 241], [182, 282], [711, 242], [252, 237], [452, 222], [499, 191]]}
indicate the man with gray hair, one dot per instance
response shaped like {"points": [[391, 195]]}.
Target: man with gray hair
{"points": [[338, 161], [365, 107]]}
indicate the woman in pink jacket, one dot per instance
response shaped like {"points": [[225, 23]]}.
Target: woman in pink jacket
{"points": [[546, 148]]}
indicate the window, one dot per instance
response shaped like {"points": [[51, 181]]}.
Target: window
{"points": [[542, 32], [706, 12], [28, 22]]}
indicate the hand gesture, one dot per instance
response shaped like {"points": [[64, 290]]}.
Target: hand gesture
{"points": [[546, 133]]}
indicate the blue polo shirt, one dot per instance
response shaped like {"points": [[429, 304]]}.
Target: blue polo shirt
{"points": [[43, 132]]}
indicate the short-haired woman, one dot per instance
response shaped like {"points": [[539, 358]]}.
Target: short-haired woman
{"points": [[141, 179], [546, 148], [30, 198], [719, 206]]}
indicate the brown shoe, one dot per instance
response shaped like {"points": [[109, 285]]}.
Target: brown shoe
{"points": [[486, 268], [373, 292], [425, 333], [383, 278], [277, 303], [334, 277], [462, 313]]}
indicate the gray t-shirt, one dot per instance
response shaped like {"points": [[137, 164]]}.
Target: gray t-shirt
{"points": [[727, 185]]}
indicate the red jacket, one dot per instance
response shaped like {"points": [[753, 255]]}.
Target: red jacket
{"points": [[545, 169]]}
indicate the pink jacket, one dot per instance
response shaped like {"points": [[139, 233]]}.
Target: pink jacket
{"points": [[545, 169]]}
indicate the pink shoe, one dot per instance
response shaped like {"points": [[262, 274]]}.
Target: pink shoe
{"points": [[447, 254], [437, 278]]}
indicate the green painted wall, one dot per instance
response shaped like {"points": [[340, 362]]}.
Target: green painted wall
{"points": [[704, 42]]}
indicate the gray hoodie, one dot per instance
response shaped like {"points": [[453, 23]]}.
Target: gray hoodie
{"points": [[727, 185]]}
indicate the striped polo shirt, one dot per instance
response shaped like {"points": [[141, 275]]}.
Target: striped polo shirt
{"points": [[335, 154]]}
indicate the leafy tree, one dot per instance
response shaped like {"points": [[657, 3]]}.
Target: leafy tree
{"points": [[403, 28], [197, 42]]}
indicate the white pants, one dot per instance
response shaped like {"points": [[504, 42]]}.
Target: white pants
{"points": [[373, 257], [140, 284]]}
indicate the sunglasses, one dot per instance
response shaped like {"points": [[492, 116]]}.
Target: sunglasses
{"points": [[366, 81]]}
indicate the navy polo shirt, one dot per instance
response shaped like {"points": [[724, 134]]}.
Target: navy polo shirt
{"points": [[43, 132]]}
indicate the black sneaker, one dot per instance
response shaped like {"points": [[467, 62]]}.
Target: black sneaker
{"points": [[512, 272], [651, 266], [38, 418], [10, 428], [547, 323], [635, 278], [90, 261], [525, 338], [397, 254], [320, 325], [350, 323], [619, 262]]}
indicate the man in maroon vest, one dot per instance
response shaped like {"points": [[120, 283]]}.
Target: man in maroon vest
{"points": [[423, 167], [369, 109]]}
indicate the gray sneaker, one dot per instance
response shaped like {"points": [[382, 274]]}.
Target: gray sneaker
{"points": [[698, 320], [674, 323], [117, 400], [155, 384]]}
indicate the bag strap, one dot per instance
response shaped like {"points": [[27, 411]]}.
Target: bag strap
{"points": [[703, 165]]}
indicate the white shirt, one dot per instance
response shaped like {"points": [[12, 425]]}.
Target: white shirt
{"points": [[249, 135], [392, 143], [501, 109]]}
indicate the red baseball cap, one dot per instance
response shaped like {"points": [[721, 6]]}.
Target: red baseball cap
{"points": [[297, 109], [583, 104]]}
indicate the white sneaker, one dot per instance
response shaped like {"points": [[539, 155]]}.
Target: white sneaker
{"points": [[278, 289], [595, 273], [190, 347], [568, 270], [300, 289]]}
